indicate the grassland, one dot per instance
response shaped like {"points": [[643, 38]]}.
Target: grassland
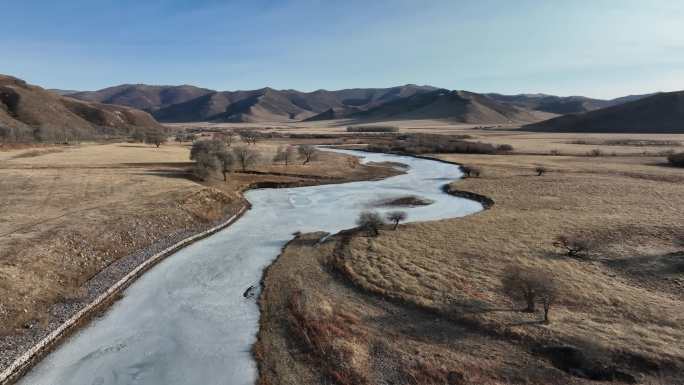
{"points": [[72, 212], [424, 304]]}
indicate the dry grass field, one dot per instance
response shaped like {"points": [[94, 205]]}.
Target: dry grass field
{"points": [[424, 304], [70, 211]]}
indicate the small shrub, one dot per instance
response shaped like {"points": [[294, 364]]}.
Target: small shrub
{"points": [[155, 137], [595, 152], [504, 148], [371, 222], [676, 160], [471, 171], [372, 129], [307, 153], [573, 246], [396, 217], [540, 170]]}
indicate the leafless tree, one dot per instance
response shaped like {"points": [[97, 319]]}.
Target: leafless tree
{"points": [[396, 217], [574, 246], [205, 164], [212, 147], [471, 171], [229, 137], [285, 154], [529, 285], [155, 137], [249, 136], [307, 152], [371, 222], [548, 292], [138, 136], [540, 170], [245, 156], [226, 161]]}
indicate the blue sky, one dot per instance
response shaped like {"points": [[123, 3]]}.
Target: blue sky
{"points": [[599, 48]]}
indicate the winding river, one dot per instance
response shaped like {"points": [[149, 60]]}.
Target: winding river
{"points": [[187, 322]]}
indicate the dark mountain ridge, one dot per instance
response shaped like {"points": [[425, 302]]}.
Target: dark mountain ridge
{"points": [[659, 113]]}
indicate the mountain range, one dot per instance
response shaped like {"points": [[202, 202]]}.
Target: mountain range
{"points": [[193, 104], [561, 105], [125, 108]]}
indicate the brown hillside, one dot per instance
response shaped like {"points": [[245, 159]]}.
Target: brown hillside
{"points": [[30, 112], [660, 113], [458, 106]]}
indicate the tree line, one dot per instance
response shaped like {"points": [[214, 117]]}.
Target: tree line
{"points": [[218, 155]]}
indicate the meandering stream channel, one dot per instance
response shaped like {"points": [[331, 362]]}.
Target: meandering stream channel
{"points": [[186, 321]]}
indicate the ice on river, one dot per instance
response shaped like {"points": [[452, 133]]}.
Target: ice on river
{"points": [[186, 321]]}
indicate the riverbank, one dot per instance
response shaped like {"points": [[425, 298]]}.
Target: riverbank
{"points": [[424, 304], [162, 208]]}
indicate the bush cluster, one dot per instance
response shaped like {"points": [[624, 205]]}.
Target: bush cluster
{"points": [[438, 144], [372, 129]]}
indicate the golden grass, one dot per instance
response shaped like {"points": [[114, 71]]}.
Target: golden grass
{"points": [[611, 301], [623, 304], [336, 334], [68, 214]]}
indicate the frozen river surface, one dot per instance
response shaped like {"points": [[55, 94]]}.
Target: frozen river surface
{"points": [[186, 320]]}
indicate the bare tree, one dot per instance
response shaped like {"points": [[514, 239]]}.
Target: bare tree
{"points": [[540, 170], [205, 164], [573, 246], [212, 147], [155, 137], [249, 136], [371, 222], [229, 137], [138, 136], [396, 217], [285, 154], [226, 161], [307, 152], [245, 156], [471, 171], [529, 285], [548, 292]]}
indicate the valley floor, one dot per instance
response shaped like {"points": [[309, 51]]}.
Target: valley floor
{"points": [[78, 218], [424, 304]]}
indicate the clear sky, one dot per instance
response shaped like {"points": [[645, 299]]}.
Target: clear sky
{"points": [[599, 48]]}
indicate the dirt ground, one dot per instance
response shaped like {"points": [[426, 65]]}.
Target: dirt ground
{"points": [[69, 212], [424, 304]]}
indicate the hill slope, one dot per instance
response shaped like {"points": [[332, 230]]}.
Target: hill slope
{"points": [[142, 96], [560, 104], [659, 113], [459, 106], [29, 112], [191, 104]]}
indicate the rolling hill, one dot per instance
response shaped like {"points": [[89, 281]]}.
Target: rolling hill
{"points": [[142, 96], [560, 105], [659, 113], [192, 104], [458, 106], [29, 112]]}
